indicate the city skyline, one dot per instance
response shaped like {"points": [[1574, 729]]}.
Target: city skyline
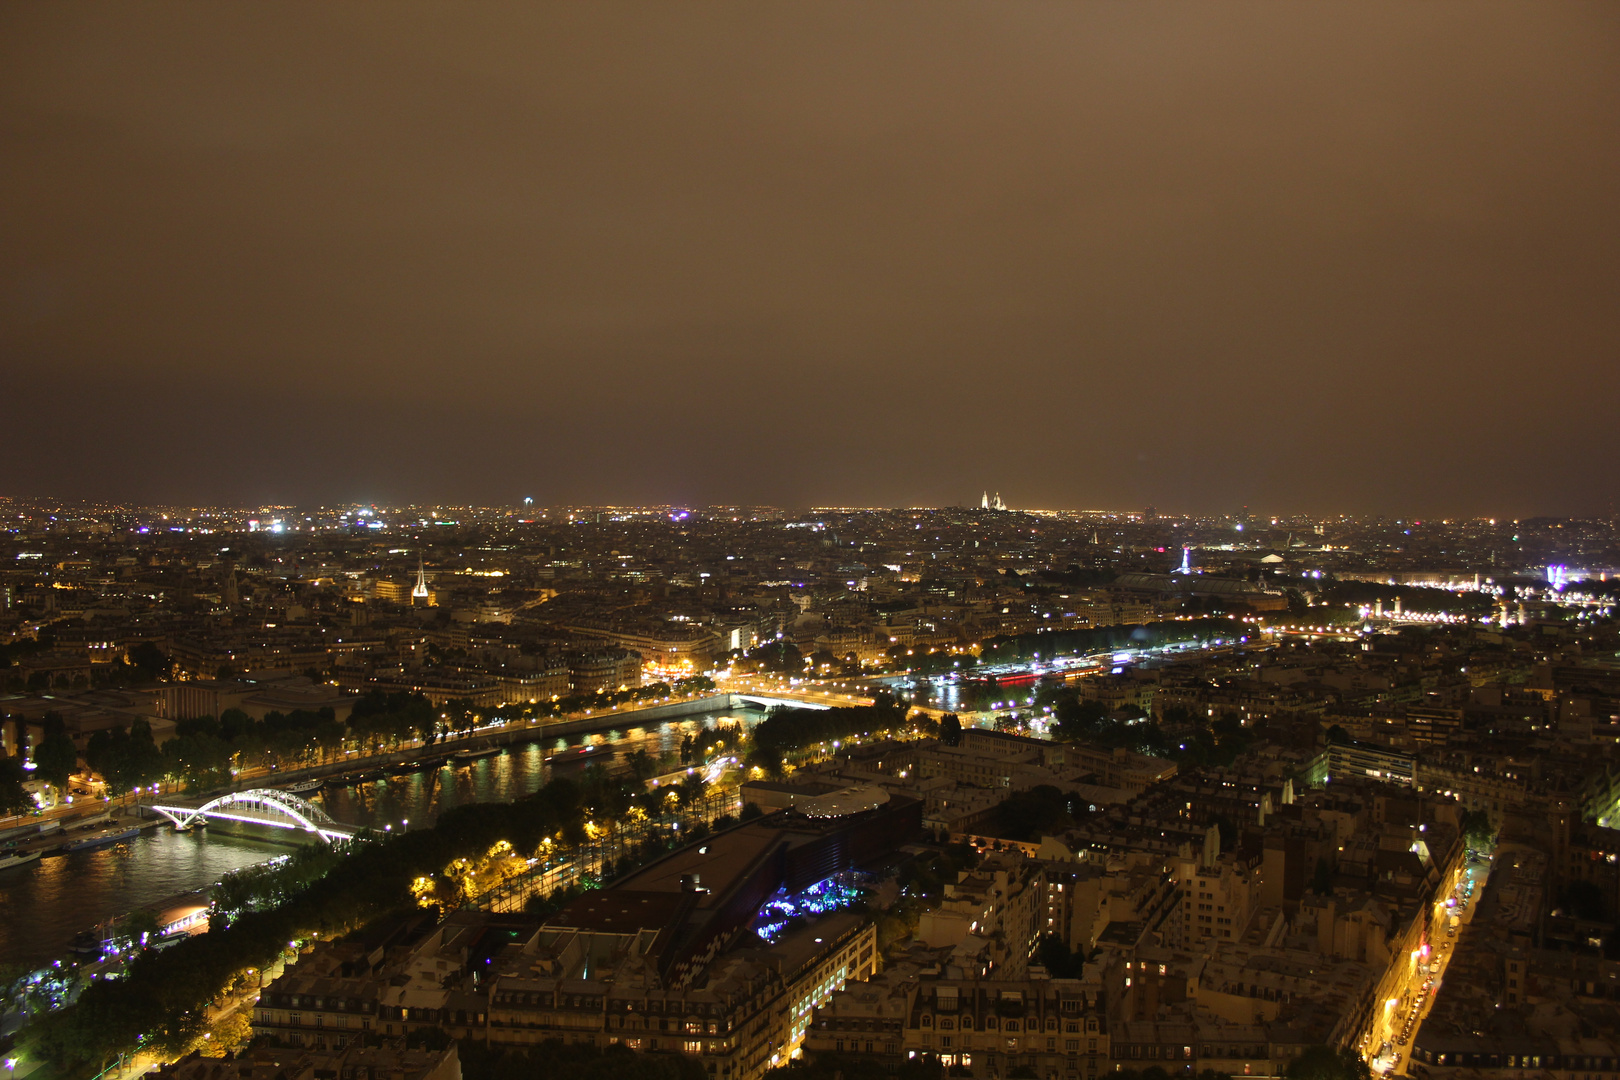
{"points": [[262, 516]]}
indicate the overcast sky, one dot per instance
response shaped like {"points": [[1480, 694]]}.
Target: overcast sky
{"points": [[1299, 256]]}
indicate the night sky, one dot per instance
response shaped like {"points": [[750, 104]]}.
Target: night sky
{"points": [[1305, 257]]}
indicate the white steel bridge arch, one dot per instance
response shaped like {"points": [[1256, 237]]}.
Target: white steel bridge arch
{"points": [[261, 806]]}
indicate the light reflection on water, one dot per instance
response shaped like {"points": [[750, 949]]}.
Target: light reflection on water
{"points": [[419, 797], [44, 904]]}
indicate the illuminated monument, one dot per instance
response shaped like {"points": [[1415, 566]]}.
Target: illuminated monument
{"points": [[419, 595], [986, 503], [1186, 560]]}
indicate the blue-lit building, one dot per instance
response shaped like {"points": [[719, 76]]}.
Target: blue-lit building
{"points": [[721, 950]]}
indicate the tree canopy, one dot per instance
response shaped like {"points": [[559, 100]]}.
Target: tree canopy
{"points": [[14, 798], [55, 758], [787, 730], [1326, 1063]]}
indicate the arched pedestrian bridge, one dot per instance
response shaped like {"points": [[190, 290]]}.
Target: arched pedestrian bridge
{"points": [[765, 701], [260, 806]]}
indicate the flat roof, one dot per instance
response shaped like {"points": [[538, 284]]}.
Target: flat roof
{"points": [[719, 863], [809, 788], [621, 911]]}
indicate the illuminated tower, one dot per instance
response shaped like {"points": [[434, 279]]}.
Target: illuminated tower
{"points": [[984, 501], [419, 595], [1186, 560]]}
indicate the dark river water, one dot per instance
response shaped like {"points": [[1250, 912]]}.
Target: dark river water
{"points": [[45, 903]]}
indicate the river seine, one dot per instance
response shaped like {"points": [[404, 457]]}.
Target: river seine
{"points": [[45, 903]]}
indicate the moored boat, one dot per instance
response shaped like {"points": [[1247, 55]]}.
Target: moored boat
{"points": [[17, 858], [101, 838]]}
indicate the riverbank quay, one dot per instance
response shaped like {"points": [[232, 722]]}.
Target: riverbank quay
{"points": [[508, 733], [58, 841], [511, 733]]}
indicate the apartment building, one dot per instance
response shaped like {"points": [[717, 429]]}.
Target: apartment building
{"points": [[975, 1027]]}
